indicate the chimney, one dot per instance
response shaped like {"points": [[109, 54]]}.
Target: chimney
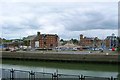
{"points": [[38, 33], [81, 36]]}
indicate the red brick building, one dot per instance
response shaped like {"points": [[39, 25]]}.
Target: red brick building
{"points": [[47, 41], [90, 42]]}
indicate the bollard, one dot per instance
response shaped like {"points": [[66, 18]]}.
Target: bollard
{"points": [[12, 74]]}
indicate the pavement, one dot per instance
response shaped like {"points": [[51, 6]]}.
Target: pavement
{"points": [[72, 52]]}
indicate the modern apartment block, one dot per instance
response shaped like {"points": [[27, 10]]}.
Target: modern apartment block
{"points": [[111, 41], [45, 41]]}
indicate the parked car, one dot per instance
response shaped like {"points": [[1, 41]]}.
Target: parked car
{"points": [[74, 49], [97, 49], [13, 50], [110, 49]]}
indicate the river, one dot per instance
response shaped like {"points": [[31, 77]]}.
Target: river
{"points": [[88, 69]]}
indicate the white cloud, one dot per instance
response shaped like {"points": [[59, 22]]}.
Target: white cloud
{"points": [[66, 19]]}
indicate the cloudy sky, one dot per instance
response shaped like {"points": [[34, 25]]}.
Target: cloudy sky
{"points": [[67, 18]]}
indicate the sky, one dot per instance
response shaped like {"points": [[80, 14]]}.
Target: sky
{"points": [[67, 18]]}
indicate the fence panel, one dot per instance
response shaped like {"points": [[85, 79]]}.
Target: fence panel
{"points": [[21, 74], [6, 74], [95, 78], [43, 76], [68, 77], [115, 78]]}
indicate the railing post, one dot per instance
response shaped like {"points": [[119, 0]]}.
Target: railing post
{"points": [[82, 77], [79, 77], [55, 76], [12, 74], [32, 75], [52, 76], [111, 78]]}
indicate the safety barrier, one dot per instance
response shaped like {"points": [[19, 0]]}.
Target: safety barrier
{"points": [[11, 74]]}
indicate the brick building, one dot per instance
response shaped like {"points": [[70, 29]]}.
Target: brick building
{"points": [[90, 42], [46, 41]]}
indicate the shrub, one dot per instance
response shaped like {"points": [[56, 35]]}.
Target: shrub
{"points": [[118, 49]]}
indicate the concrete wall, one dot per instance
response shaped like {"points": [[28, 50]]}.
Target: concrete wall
{"points": [[61, 57]]}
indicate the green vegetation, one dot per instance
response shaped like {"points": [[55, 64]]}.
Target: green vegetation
{"points": [[65, 65], [26, 42], [118, 49], [4, 41], [74, 41], [63, 42]]}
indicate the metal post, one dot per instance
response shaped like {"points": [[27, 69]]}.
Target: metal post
{"points": [[79, 78], [32, 75], [52, 76], [111, 78], [55, 76], [82, 77], [12, 74]]}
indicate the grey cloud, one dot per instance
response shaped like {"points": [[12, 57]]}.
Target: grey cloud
{"points": [[10, 27], [91, 20], [32, 23]]}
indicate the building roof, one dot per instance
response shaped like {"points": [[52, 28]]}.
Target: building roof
{"points": [[37, 37], [90, 38], [109, 37], [30, 37]]}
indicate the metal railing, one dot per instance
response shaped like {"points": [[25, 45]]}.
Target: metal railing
{"points": [[11, 74]]}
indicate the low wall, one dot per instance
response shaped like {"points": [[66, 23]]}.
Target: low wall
{"points": [[61, 57]]}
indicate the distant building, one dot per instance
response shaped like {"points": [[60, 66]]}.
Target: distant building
{"points": [[111, 41], [90, 42], [13, 43], [28, 41], [47, 41]]}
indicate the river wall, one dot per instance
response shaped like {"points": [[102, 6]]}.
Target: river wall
{"points": [[61, 57]]}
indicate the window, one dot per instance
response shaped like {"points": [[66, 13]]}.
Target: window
{"points": [[36, 44]]}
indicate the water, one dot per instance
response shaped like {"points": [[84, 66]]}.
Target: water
{"points": [[98, 70]]}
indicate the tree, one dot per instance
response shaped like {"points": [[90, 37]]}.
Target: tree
{"points": [[74, 41], [26, 42], [61, 40], [4, 41]]}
